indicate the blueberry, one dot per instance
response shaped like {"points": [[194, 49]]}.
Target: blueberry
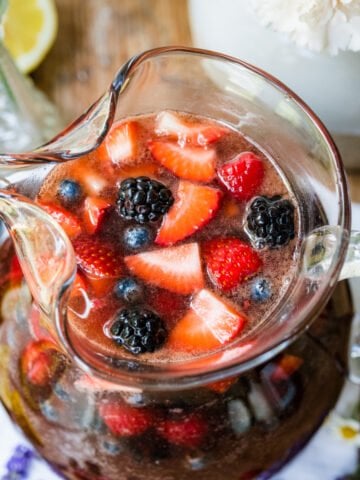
{"points": [[129, 290], [69, 192], [137, 236], [112, 447], [260, 290]]}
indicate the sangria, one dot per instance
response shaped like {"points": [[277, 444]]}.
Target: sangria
{"points": [[173, 359]]}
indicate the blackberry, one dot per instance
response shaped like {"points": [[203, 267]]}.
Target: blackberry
{"points": [[143, 199], [138, 330], [270, 221]]}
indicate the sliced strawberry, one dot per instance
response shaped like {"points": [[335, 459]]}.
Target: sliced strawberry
{"points": [[40, 363], [125, 421], [195, 132], [190, 163], [69, 222], [189, 431], [94, 212], [120, 144], [97, 258], [194, 207], [230, 261], [177, 269], [209, 324], [243, 175]]}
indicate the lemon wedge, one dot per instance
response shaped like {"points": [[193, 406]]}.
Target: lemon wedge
{"points": [[29, 30]]}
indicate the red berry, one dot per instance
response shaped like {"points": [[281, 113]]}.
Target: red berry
{"points": [[230, 261], [65, 219], [40, 362], [121, 144], [125, 421], [172, 125], [189, 431], [190, 163], [94, 212], [177, 269], [97, 258], [195, 205], [210, 323], [242, 176]]}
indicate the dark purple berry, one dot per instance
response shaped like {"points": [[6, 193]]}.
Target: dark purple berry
{"points": [[143, 199], [270, 222], [138, 330]]}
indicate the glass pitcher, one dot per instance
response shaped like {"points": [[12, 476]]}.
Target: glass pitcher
{"points": [[27, 118], [264, 396]]}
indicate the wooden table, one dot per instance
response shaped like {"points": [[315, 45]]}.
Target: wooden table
{"points": [[96, 36]]}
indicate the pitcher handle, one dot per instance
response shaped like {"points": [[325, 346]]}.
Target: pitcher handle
{"points": [[44, 251], [351, 269], [320, 250]]}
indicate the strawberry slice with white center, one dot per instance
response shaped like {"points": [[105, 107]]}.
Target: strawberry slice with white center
{"points": [[41, 363], [94, 212], [210, 323], [68, 222], [120, 144], [195, 205], [177, 269], [188, 162], [195, 132]]}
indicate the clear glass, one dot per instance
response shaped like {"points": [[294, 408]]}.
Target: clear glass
{"points": [[258, 400], [27, 118]]}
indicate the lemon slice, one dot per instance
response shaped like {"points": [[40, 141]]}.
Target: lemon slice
{"points": [[30, 28]]}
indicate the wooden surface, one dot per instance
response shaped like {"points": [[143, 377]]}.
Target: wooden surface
{"points": [[96, 36]]}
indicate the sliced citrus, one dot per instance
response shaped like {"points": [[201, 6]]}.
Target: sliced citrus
{"points": [[30, 28]]}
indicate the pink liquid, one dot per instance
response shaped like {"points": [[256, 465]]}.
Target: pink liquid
{"points": [[245, 426], [90, 323]]}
